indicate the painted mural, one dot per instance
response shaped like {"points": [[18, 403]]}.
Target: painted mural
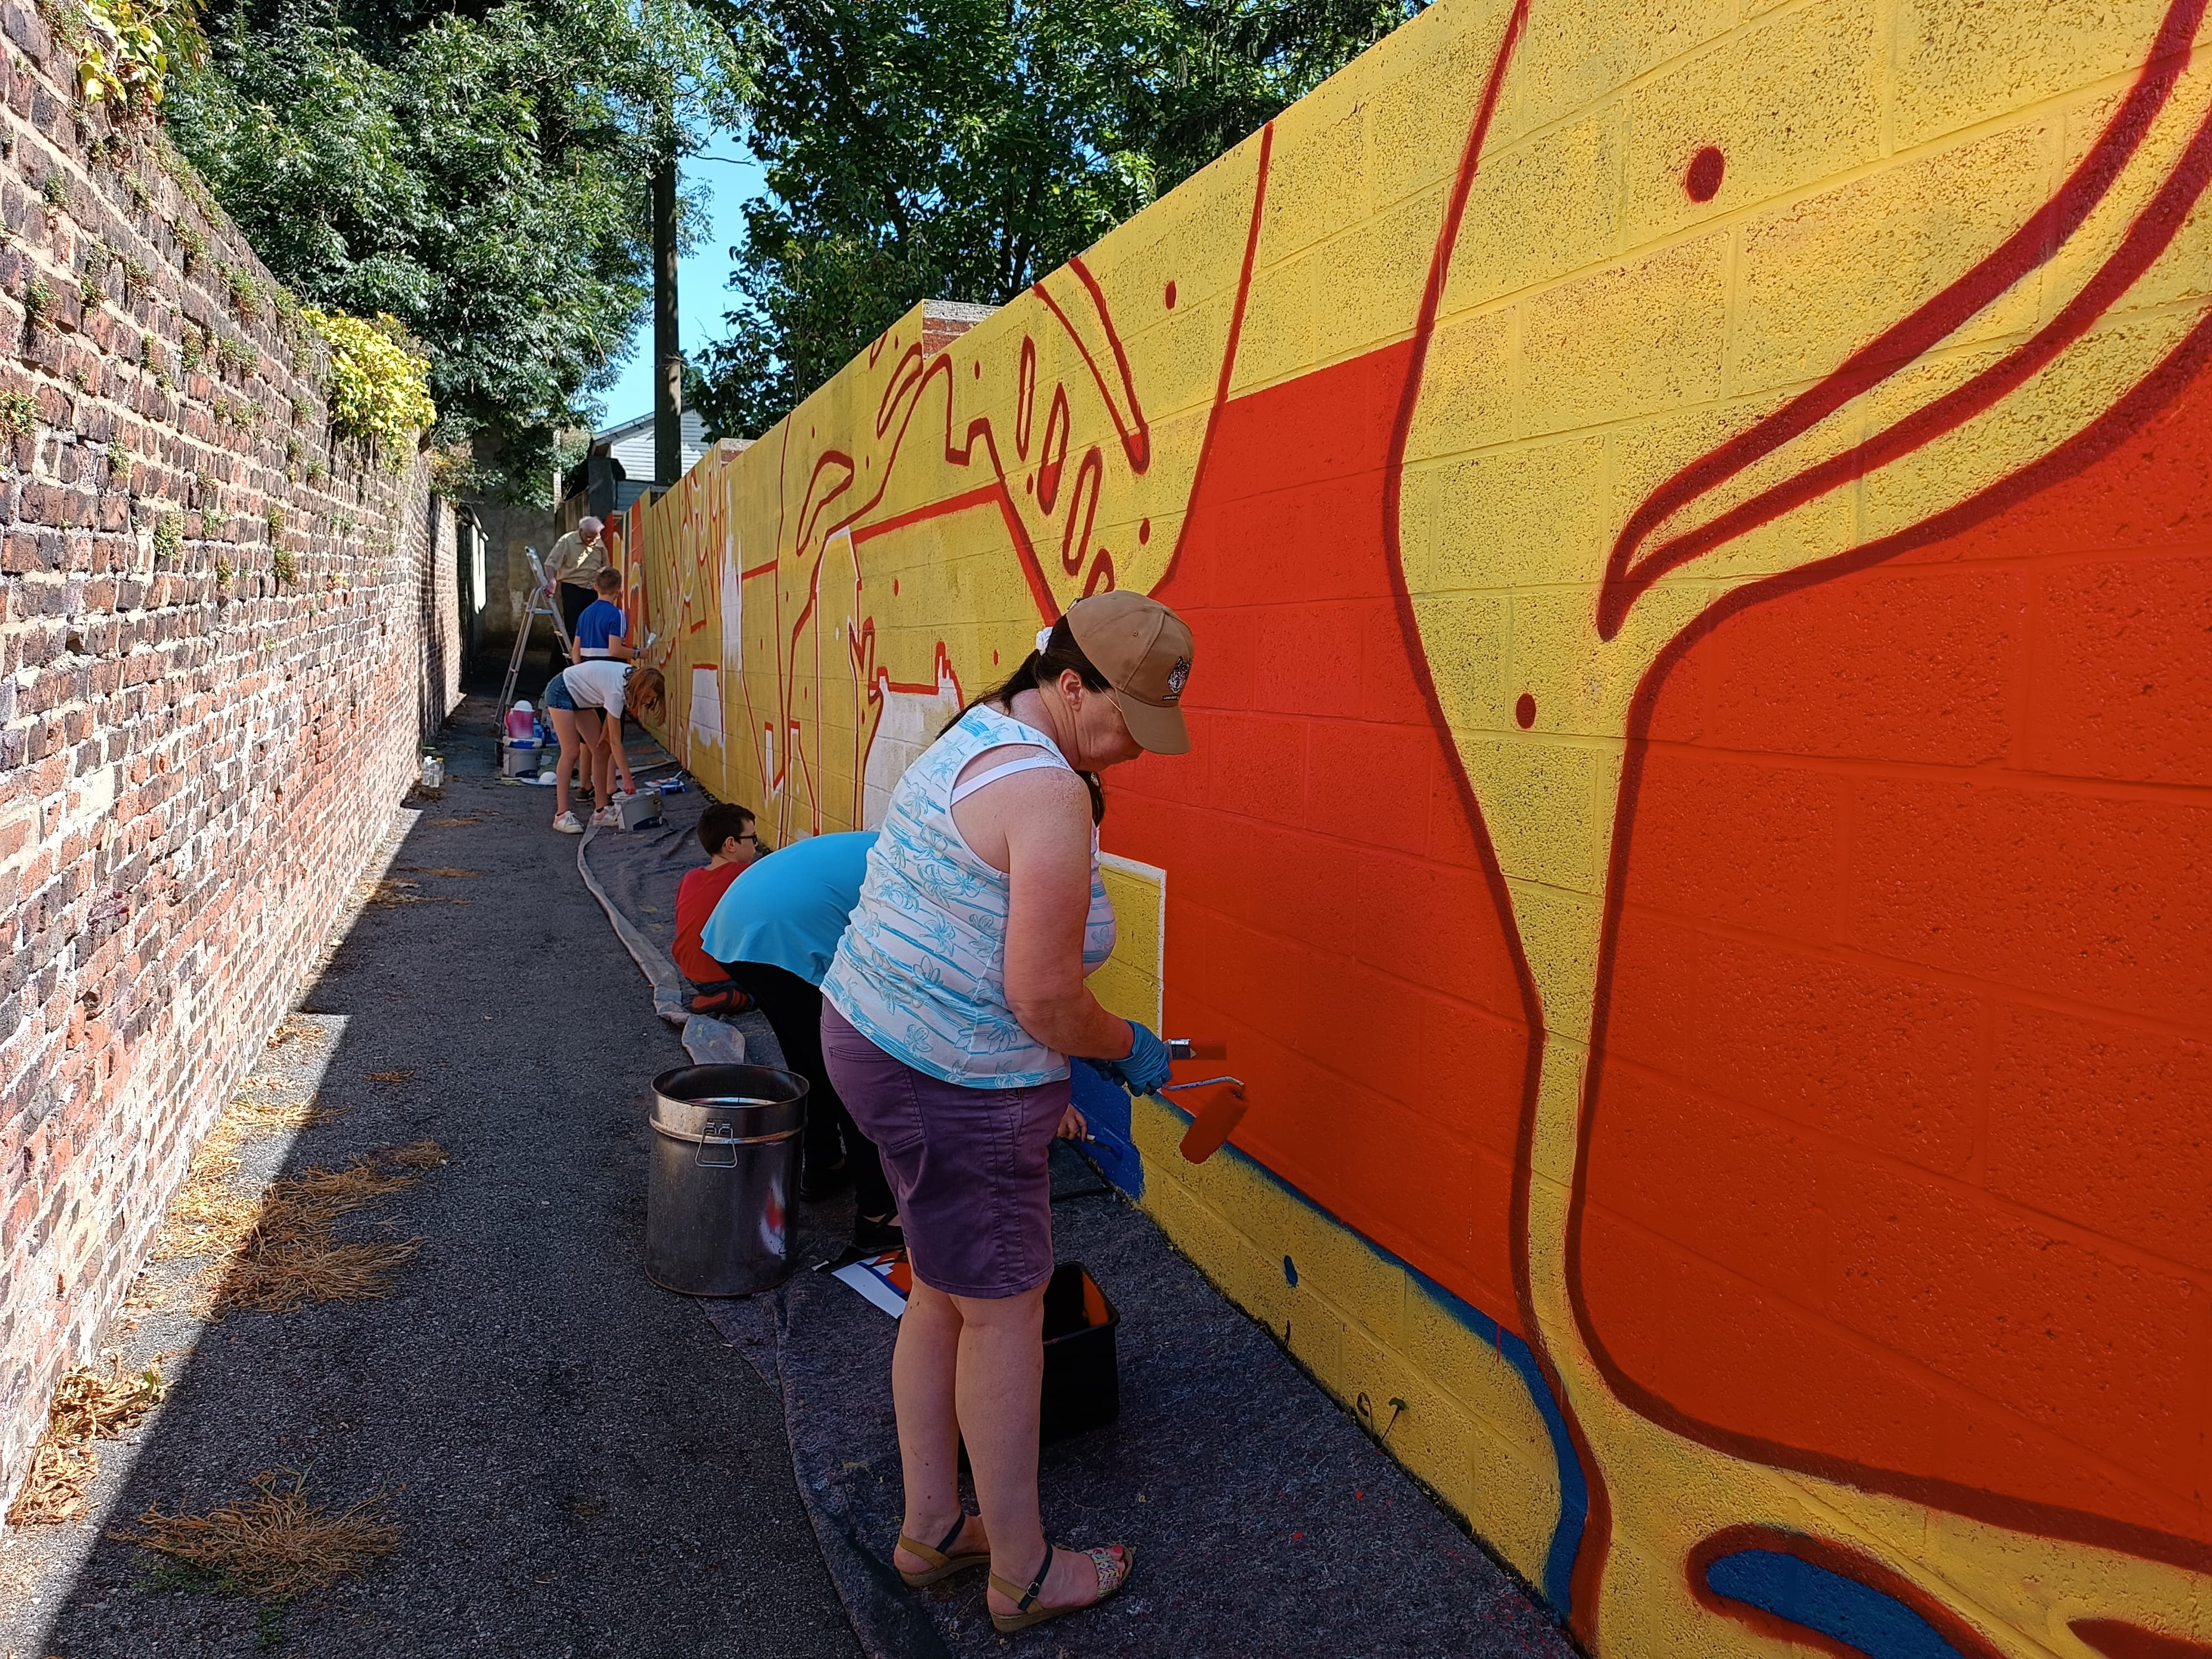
{"points": [[1698, 523]]}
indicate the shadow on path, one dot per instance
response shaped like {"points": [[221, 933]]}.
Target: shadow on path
{"points": [[577, 1462]]}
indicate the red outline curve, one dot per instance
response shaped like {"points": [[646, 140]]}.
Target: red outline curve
{"points": [[2116, 1638], [1839, 1558], [1025, 376], [2146, 398], [1092, 466], [1229, 347], [1136, 444], [1589, 1563], [2034, 244], [1052, 462]]}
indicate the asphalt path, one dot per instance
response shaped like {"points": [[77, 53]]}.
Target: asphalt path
{"points": [[578, 1463]]}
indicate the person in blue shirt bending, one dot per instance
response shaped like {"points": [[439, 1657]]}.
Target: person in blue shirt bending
{"points": [[774, 931], [602, 629]]}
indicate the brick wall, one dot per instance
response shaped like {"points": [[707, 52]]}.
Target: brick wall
{"points": [[221, 634]]}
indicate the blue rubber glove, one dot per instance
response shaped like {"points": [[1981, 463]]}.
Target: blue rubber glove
{"points": [[1145, 1067]]}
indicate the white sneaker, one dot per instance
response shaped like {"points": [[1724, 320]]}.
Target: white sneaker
{"points": [[607, 816], [567, 825]]}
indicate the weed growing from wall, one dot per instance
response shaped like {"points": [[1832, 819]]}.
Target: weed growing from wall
{"points": [[380, 389]]}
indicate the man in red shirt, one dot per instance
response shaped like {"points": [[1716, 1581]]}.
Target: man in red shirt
{"points": [[726, 833]]}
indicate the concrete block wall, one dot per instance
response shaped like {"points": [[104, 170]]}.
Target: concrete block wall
{"points": [[222, 636], [1694, 522]]}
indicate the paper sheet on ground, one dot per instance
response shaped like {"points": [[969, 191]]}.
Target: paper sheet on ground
{"points": [[883, 1279]]}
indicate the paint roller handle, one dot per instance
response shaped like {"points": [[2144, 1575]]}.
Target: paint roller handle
{"points": [[1186, 1048]]}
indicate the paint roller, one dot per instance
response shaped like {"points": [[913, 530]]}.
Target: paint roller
{"points": [[1215, 1116]]}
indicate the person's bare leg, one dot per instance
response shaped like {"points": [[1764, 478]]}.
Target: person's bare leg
{"points": [[590, 730], [565, 728], [997, 1382], [603, 764], [922, 1366]]}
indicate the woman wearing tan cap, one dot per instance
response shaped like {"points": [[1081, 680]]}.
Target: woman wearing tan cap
{"points": [[956, 998]]}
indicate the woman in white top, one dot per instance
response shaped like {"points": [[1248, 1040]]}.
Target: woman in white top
{"points": [[585, 701], [955, 999]]}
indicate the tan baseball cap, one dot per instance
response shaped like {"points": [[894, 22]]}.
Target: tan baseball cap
{"points": [[1144, 650]]}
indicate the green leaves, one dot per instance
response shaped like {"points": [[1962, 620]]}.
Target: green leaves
{"points": [[479, 173], [959, 150], [380, 390]]}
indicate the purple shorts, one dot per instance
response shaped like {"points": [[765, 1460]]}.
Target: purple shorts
{"points": [[968, 1165]]}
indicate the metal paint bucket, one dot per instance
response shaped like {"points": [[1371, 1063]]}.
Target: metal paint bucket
{"points": [[725, 1170]]}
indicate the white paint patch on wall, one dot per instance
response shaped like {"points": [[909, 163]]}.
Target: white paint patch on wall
{"points": [[910, 724]]}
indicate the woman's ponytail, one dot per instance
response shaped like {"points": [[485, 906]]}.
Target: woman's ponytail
{"points": [[1058, 653]]}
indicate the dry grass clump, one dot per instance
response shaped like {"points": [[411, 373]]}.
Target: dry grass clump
{"points": [[87, 1406], [418, 869], [391, 891], [291, 1255], [54, 1491], [456, 824], [279, 1251], [210, 1215], [251, 1114], [390, 1077], [419, 1155], [293, 1030], [275, 1543]]}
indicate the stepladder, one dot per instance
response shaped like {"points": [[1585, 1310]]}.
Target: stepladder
{"points": [[545, 602]]}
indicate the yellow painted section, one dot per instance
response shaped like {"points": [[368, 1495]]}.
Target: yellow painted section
{"points": [[1364, 1328], [823, 601], [1130, 983]]}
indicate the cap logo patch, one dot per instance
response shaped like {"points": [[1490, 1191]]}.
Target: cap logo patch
{"points": [[1177, 675]]}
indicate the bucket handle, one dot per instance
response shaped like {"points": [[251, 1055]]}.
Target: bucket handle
{"points": [[720, 1140], [723, 1140]]}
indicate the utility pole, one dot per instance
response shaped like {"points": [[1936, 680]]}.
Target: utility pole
{"points": [[667, 354]]}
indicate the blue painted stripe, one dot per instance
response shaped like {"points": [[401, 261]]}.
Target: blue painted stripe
{"points": [[1871, 1621], [1557, 1587], [1105, 1108]]}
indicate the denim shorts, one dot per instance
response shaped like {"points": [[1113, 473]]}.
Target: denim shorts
{"points": [[969, 1166], [557, 693]]}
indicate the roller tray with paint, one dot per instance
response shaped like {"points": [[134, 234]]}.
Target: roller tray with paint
{"points": [[1082, 1377]]}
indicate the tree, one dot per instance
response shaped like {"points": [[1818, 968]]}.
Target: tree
{"points": [[479, 171], [961, 149]]}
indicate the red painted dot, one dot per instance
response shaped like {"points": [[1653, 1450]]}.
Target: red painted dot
{"points": [[1702, 181], [1525, 711], [995, 659], [1168, 297], [978, 366], [1143, 530], [894, 595]]}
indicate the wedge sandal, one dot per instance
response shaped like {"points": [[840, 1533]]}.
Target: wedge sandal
{"points": [[942, 1565], [1028, 1610]]}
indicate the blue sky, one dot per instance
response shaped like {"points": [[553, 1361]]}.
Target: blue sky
{"points": [[725, 178]]}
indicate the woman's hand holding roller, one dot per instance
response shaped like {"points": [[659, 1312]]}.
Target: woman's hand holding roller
{"points": [[1145, 1067]]}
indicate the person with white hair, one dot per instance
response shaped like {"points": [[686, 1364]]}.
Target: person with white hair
{"points": [[578, 557]]}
